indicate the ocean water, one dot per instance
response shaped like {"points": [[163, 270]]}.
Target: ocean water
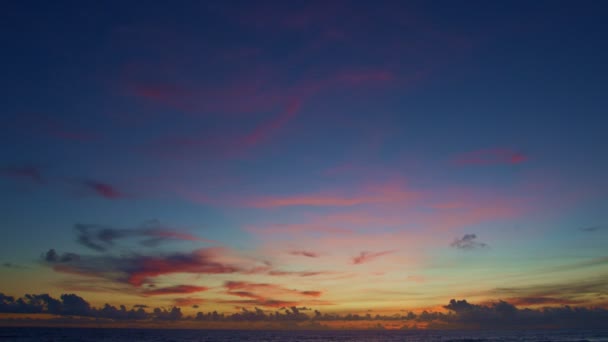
{"points": [[152, 335]]}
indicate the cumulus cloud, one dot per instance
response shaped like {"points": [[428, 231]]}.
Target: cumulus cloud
{"points": [[468, 242], [461, 314]]}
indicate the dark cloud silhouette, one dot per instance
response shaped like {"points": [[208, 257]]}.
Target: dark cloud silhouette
{"points": [[568, 292], [501, 314], [364, 257], [467, 242], [535, 301], [150, 234], [52, 257], [178, 289], [461, 314]]}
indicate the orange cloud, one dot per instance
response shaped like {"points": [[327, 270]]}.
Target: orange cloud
{"points": [[261, 291], [188, 301]]}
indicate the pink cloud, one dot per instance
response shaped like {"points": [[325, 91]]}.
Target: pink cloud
{"points": [[202, 261], [365, 257], [257, 92], [263, 131], [491, 156], [389, 193], [264, 290], [104, 190]]}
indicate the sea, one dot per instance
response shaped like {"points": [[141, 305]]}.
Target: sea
{"points": [[171, 335]]}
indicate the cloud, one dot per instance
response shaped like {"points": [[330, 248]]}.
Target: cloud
{"points": [[13, 266], [151, 233], [266, 129], [373, 194], [138, 269], [263, 294], [188, 301], [544, 301], [592, 229], [27, 172], [263, 290], [104, 190], [273, 303], [365, 257], [467, 242], [502, 314], [462, 314], [491, 156], [178, 289], [571, 291], [52, 257], [297, 273], [124, 266], [304, 253]]}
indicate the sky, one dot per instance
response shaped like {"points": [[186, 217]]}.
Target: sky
{"points": [[347, 157]]}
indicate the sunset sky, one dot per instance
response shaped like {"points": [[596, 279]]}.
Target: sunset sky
{"points": [[344, 156]]}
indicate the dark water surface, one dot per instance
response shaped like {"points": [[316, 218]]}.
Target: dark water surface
{"points": [[116, 335]]}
